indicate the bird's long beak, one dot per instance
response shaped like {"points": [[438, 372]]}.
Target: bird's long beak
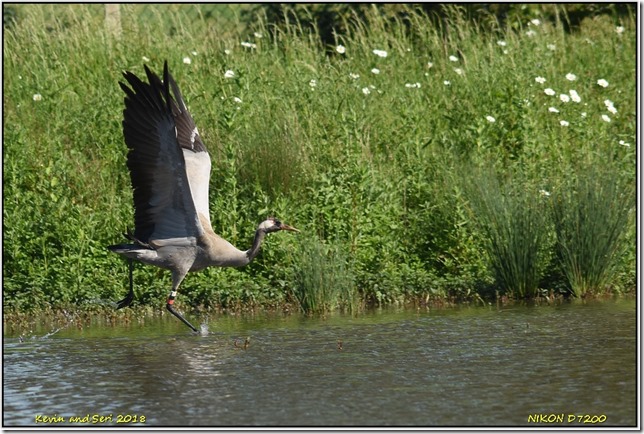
{"points": [[286, 227]]}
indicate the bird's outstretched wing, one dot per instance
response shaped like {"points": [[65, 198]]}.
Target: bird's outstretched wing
{"points": [[195, 153], [169, 165]]}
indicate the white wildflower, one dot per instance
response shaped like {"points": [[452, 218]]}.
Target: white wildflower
{"points": [[229, 74], [430, 64], [574, 95], [237, 100], [553, 110], [340, 49], [366, 90], [459, 71], [605, 118], [248, 44], [609, 106], [258, 35], [501, 43], [536, 22], [37, 97], [375, 71], [413, 85], [227, 51], [571, 77], [540, 80], [490, 119], [313, 83], [530, 33], [187, 60], [453, 59], [602, 82], [564, 97], [549, 91], [623, 143], [354, 76], [194, 53], [619, 29], [544, 193], [447, 83], [564, 123], [584, 114], [145, 59], [551, 47], [380, 53]]}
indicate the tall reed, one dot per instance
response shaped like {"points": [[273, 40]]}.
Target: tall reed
{"points": [[514, 228], [591, 214], [322, 278]]}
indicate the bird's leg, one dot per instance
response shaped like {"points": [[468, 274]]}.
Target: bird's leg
{"points": [[176, 280], [130, 295], [170, 302]]}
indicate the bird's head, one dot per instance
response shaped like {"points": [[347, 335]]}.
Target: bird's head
{"points": [[272, 224]]}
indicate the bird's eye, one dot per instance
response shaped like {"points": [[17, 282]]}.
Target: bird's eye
{"points": [[277, 222]]}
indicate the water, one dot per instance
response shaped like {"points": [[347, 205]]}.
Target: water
{"points": [[451, 367]]}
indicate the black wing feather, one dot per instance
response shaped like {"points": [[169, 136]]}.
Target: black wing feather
{"points": [[162, 199], [187, 133]]}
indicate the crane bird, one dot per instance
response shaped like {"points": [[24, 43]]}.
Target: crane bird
{"points": [[170, 173]]}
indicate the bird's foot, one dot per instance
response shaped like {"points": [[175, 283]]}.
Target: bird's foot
{"points": [[178, 315], [126, 301]]}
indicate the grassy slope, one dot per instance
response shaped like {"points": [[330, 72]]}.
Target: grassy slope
{"points": [[371, 166]]}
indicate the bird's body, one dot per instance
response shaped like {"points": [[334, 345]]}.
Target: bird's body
{"points": [[170, 173]]}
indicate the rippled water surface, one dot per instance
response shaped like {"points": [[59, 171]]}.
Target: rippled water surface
{"points": [[453, 367]]}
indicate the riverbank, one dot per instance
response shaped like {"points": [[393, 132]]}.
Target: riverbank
{"points": [[50, 321], [450, 162]]}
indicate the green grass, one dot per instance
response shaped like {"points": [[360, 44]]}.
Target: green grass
{"points": [[512, 218], [322, 278], [353, 158], [591, 213]]}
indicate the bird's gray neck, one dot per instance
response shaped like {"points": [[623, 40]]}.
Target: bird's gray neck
{"points": [[254, 250]]}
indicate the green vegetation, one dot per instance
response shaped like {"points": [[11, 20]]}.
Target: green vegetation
{"points": [[591, 213], [422, 174], [513, 224], [322, 280]]}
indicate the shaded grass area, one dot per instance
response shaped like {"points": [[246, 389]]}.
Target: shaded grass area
{"points": [[370, 155]]}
